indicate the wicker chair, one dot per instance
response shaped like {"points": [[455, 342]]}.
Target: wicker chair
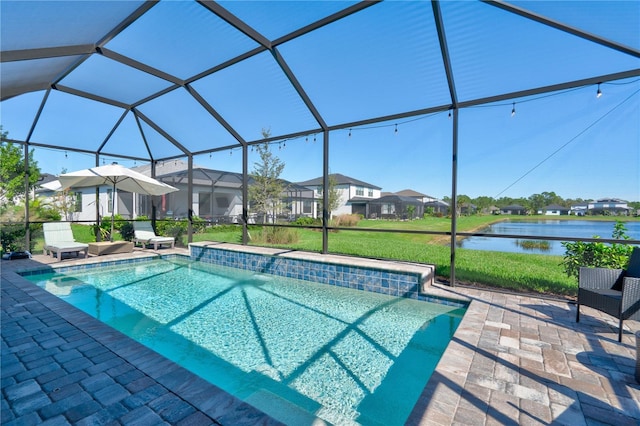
{"points": [[613, 291]]}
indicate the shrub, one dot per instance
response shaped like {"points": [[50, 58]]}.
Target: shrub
{"points": [[127, 231], [276, 235], [596, 254], [346, 220], [172, 228], [307, 221], [198, 224]]}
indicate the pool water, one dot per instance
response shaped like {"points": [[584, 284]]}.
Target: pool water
{"points": [[294, 349]]}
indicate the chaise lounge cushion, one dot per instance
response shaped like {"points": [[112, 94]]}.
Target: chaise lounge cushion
{"points": [[58, 238], [144, 235]]}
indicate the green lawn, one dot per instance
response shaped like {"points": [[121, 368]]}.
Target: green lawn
{"points": [[513, 271]]}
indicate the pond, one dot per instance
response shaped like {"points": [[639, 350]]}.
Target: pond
{"points": [[547, 228]]}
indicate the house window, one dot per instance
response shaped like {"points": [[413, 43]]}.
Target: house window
{"points": [[319, 190], [109, 200], [306, 207], [388, 209], [370, 192], [360, 191], [77, 202]]}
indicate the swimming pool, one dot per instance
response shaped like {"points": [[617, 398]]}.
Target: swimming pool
{"points": [[294, 349]]}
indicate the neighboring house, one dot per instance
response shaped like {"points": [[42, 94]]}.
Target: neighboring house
{"points": [[395, 206], [611, 206], [354, 194], [217, 195], [579, 209], [423, 198], [554, 210], [438, 206], [514, 209], [80, 204]]}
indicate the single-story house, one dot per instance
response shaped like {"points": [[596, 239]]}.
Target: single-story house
{"points": [[514, 209], [395, 206], [554, 210]]}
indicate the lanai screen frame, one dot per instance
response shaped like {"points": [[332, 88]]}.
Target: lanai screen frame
{"points": [[271, 46]]}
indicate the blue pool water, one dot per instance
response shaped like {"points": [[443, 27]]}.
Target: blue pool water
{"points": [[294, 349]]}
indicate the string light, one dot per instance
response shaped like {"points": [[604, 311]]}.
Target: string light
{"points": [[65, 154], [349, 132], [314, 137], [449, 112], [513, 109], [396, 130], [599, 92]]}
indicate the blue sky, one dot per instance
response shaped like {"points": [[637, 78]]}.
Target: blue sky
{"points": [[381, 61]]}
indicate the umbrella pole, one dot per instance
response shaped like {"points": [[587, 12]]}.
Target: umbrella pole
{"points": [[113, 209]]}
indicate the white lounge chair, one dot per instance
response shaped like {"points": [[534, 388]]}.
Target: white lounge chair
{"points": [[144, 234], [58, 238]]}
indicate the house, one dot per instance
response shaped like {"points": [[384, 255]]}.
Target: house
{"points": [[395, 206], [612, 206], [217, 197], [514, 209], [554, 210], [353, 194], [79, 205], [417, 195], [437, 206]]}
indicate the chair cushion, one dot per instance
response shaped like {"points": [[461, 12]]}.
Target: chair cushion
{"points": [[615, 294]]}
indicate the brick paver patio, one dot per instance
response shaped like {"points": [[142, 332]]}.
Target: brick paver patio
{"points": [[513, 360]]}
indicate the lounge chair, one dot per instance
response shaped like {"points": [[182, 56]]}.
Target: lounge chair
{"points": [[144, 234], [613, 291], [58, 238]]}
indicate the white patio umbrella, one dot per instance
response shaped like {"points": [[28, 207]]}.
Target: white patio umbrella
{"points": [[117, 176]]}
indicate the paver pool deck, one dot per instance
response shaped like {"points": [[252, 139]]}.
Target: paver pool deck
{"points": [[514, 359]]}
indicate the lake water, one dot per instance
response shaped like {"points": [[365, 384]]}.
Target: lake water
{"points": [[546, 228]]}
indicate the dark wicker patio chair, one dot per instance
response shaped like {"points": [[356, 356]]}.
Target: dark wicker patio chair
{"points": [[613, 291]]}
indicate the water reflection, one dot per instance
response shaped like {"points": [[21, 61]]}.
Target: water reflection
{"points": [[547, 228]]}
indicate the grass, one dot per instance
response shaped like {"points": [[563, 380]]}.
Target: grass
{"points": [[510, 271]]}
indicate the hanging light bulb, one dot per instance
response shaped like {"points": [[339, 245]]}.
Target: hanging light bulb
{"points": [[349, 132], [65, 154], [396, 130], [449, 112], [599, 92], [314, 137], [513, 109]]}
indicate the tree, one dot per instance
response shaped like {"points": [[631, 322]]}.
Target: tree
{"points": [[265, 192], [335, 198], [12, 170]]}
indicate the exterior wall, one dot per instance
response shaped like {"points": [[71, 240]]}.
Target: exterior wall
{"points": [[88, 213]]}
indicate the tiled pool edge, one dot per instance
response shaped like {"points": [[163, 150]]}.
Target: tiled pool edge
{"points": [[391, 278]]}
